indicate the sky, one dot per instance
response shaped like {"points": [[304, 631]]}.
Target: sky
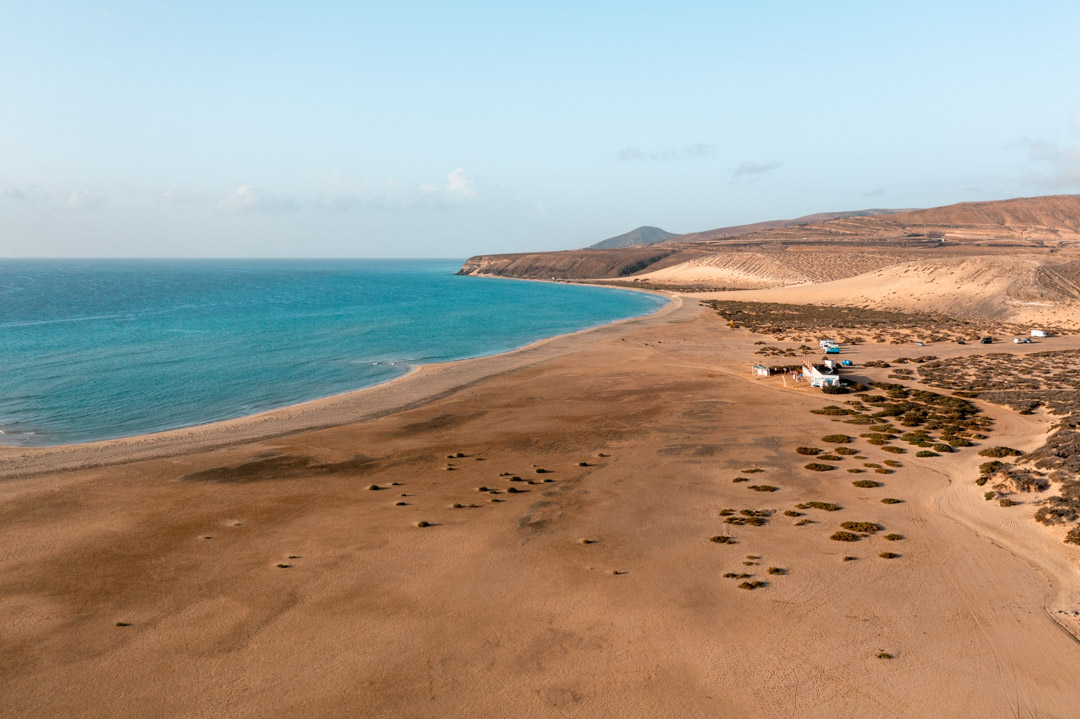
{"points": [[424, 129]]}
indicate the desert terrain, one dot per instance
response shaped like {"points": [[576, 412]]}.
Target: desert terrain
{"points": [[610, 523]]}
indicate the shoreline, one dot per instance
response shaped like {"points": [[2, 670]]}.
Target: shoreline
{"points": [[435, 380]]}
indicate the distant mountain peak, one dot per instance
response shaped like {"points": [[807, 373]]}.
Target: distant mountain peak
{"points": [[642, 236]]}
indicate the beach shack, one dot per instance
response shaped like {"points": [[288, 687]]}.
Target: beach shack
{"points": [[1039, 333], [760, 370], [821, 375]]}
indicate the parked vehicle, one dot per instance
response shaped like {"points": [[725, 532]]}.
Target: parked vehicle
{"points": [[846, 363]]}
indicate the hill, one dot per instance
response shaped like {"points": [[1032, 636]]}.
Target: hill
{"points": [[642, 236], [737, 230], [1014, 259]]}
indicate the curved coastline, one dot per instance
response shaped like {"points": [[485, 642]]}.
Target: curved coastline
{"points": [[422, 383]]}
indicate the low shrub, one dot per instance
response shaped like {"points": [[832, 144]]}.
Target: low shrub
{"points": [[866, 483], [829, 457], [818, 467], [809, 451], [1005, 502], [846, 451], [999, 452], [836, 439], [884, 471], [888, 555], [792, 513], [864, 527], [722, 539], [777, 570], [892, 463], [740, 479], [856, 470], [894, 537], [752, 585], [926, 453], [763, 488], [845, 537], [891, 500], [894, 450], [1073, 536], [824, 506]]}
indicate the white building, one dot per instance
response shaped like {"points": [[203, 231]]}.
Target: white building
{"points": [[821, 375], [1039, 333]]}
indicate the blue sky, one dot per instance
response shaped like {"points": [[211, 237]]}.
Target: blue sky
{"points": [[448, 129]]}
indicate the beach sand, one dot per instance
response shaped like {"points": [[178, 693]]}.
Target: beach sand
{"points": [[256, 572]]}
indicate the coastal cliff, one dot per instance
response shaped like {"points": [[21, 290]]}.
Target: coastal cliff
{"points": [[573, 264]]}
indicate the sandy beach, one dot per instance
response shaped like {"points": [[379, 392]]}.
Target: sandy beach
{"points": [[273, 566]]}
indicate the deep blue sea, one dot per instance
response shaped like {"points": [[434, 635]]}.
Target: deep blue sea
{"points": [[96, 349]]}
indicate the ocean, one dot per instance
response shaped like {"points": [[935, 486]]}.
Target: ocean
{"points": [[98, 349]]}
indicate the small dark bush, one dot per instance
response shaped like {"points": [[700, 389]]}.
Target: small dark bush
{"points": [[865, 527], [1006, 502], [824, 506], [809, 451], [894, 450], [752, 585], [845, 537], [846, 451], [423, 523], [722, 539], [829, 457], [894, 537], [999, 452], [818, 467], [884, 471], [866, 483], [892, 463], [926, 453], [740, 479], [777, 570], [836, 439], [856, 470], [891, 500], [888, 555], [792, 513], [763, 488]]}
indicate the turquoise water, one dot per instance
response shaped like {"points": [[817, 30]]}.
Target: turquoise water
{"points": [[96, 349]]}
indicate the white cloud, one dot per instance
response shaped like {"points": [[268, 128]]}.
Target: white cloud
{"points": [[460, 189], [748, 168], [1061, 165], [696, 151], [246, 199], [79, 200]]}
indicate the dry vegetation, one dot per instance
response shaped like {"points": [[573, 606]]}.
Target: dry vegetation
{"points": [[849, 325], [1049, 380]]}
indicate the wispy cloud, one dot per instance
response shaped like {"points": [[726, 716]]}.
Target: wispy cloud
{"points": [[746, 169], [695, 151], [459, 190], [246, 199], [876, 192], [80, 200], [1059, 166]]}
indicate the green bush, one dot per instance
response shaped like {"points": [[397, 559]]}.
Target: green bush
{"points": [[809, 451], [836, 439], [894, 450], [817, 467], [866, 483], [845, 537], [891, 500], [926, 453]]}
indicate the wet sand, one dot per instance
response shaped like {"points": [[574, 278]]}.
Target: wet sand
{"points": [[499, 609]]}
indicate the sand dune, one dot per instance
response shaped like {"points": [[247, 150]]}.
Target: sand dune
{"points": [[1008, 289]]}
